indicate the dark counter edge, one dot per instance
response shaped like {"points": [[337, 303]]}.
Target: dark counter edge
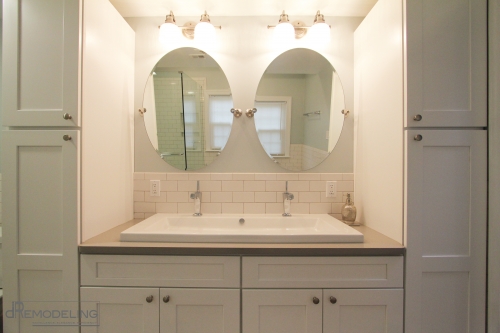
{"points": [[207, 251], [376, 244]]}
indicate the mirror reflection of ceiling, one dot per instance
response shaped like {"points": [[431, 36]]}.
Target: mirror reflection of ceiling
{"points": [[299, 61], [187, 58], [145, 8]]}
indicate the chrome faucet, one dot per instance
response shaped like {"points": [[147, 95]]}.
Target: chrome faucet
{"points": [[197, 199], [287, 201]]}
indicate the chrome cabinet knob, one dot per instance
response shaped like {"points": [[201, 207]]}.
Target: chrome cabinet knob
{"points": [[417, 137], [66, 137], [166, 299], [315, 300], [149, 299], [67, 116], [417, 117], [333, 300]]}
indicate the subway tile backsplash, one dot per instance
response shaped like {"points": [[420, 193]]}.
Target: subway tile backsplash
{"points": [[240, 193]]}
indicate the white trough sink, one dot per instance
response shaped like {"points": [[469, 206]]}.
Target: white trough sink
{"points": [[227, 228]]}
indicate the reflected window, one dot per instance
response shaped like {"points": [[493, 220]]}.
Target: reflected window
{"points": [[219, 120], [273, 124], [190, 122]]}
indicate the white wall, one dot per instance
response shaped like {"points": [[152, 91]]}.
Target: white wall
{"points": [[379, 103], [107, 103], [244, 51], [1, 43]]}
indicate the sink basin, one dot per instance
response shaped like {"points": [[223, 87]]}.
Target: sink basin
{"points": [[227, 228]]}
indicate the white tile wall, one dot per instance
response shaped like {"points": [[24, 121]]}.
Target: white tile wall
{"points": [[240, 193]]}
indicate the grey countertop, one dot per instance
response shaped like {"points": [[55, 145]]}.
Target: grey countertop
{"points": [[375, 244]]}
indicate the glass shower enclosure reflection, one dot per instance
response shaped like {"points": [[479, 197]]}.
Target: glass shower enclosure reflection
{"points": [[179, 119]]}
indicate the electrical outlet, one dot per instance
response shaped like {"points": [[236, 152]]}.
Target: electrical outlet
{"points": [[331, 189], [154, 188]]}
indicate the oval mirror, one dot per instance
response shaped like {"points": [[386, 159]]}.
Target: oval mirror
{"points": [[299, 109], [187, 101]]}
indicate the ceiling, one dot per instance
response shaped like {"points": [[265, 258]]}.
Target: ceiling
{"points": [[141, 8]]}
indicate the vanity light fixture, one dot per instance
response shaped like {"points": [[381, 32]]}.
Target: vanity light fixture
{"points": [[169, 31], [320, 31], [203, 31], [286, 31]]}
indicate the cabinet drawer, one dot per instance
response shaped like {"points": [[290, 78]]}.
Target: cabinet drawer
{"points": [[322, 272], [160, 271]]}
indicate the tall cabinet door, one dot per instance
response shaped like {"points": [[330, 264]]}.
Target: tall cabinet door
{"points": [[121, 310], [445, 230], [282, 311], [40, 222], [446, 51], [41, 56], [363, 310], [199, 310]]}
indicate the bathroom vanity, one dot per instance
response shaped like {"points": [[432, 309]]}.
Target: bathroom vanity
{"points": [[216, 287], [416, 87]]}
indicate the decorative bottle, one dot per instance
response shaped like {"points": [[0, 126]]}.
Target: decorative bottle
{"points": [[348, 211]]}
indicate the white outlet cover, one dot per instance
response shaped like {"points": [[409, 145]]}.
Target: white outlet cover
{"points": [[154, 188], [331, 189]]}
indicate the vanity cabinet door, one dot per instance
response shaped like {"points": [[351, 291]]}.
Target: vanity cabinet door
{"points": [[363, 310], [40, 220], [446, 231], [41, 56], [446, 50], [282, 311], [122, 310], [199, 310]]}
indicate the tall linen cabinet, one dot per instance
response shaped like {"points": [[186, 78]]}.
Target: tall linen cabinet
{"points": [[67, 150], [421, 152]]}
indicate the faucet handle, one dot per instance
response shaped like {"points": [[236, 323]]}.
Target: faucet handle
{"points": [[192, 195], [290, 196]]}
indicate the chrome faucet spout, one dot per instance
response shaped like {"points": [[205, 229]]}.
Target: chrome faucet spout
{"points": [[287, 201], [197, 200]]}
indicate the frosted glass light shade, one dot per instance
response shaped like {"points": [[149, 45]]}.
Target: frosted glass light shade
{"points": [[283, 33], [204, 32], [169, 34], [320, 32]]}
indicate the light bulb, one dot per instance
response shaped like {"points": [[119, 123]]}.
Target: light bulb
{"points": [[320, 33], [284, 33], [204, 32], [169, 34], [169, 31]]}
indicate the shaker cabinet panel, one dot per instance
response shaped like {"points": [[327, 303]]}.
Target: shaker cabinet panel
{"points": [[40, 220], [199, 310], [160, 271], [41, 62], [121, 310], [322, 272], [445, 230], [363, 310], [282, 311], [446, 63]]}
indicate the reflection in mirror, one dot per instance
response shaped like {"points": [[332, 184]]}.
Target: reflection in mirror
{"points": [[188, 102], [299, 101]]}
